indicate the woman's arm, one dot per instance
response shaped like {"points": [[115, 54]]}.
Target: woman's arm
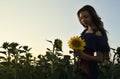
{"points": [[98, 57]]}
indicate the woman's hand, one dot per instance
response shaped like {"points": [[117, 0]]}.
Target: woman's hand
{"points": [[79, 53]]}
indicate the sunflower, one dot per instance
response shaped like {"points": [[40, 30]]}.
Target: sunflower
{"points": [[76, 43]]}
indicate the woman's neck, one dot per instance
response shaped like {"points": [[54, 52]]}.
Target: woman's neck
{"points": [[90, 28]]}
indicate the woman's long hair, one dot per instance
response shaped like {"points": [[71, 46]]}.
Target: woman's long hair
{"points": [[95, 18]]}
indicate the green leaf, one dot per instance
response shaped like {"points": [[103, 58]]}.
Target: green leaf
{"points": [[3, 52], [1, 57]]}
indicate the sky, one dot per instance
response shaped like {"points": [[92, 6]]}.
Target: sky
{"points": [[32, 22]]}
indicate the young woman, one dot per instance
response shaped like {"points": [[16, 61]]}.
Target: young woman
{"points": [[96, 40]]}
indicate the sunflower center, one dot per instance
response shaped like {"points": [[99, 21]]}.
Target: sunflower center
{"points": [[76, 43]]}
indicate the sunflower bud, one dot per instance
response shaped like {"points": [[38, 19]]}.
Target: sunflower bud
{"points": [[58, 44]]}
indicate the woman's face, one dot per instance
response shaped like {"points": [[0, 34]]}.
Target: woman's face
{"points": [[85, 18]]}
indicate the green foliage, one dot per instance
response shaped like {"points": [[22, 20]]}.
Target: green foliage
{"points": [[16, 62], [111, 69]]}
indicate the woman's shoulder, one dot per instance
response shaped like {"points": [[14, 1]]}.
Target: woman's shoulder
{"points": [[97, 32], [83, 32]]}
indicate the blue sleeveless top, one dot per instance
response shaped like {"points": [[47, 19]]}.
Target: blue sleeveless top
{"points": [[95, 42]]}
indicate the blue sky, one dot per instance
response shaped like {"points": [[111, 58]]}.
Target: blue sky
{"points": [[32, 22]]}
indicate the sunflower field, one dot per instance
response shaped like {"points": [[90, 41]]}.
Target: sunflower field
{"points": [[16, 62]]}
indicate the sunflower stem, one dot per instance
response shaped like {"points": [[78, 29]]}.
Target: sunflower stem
{"points": [[74, 67]]}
